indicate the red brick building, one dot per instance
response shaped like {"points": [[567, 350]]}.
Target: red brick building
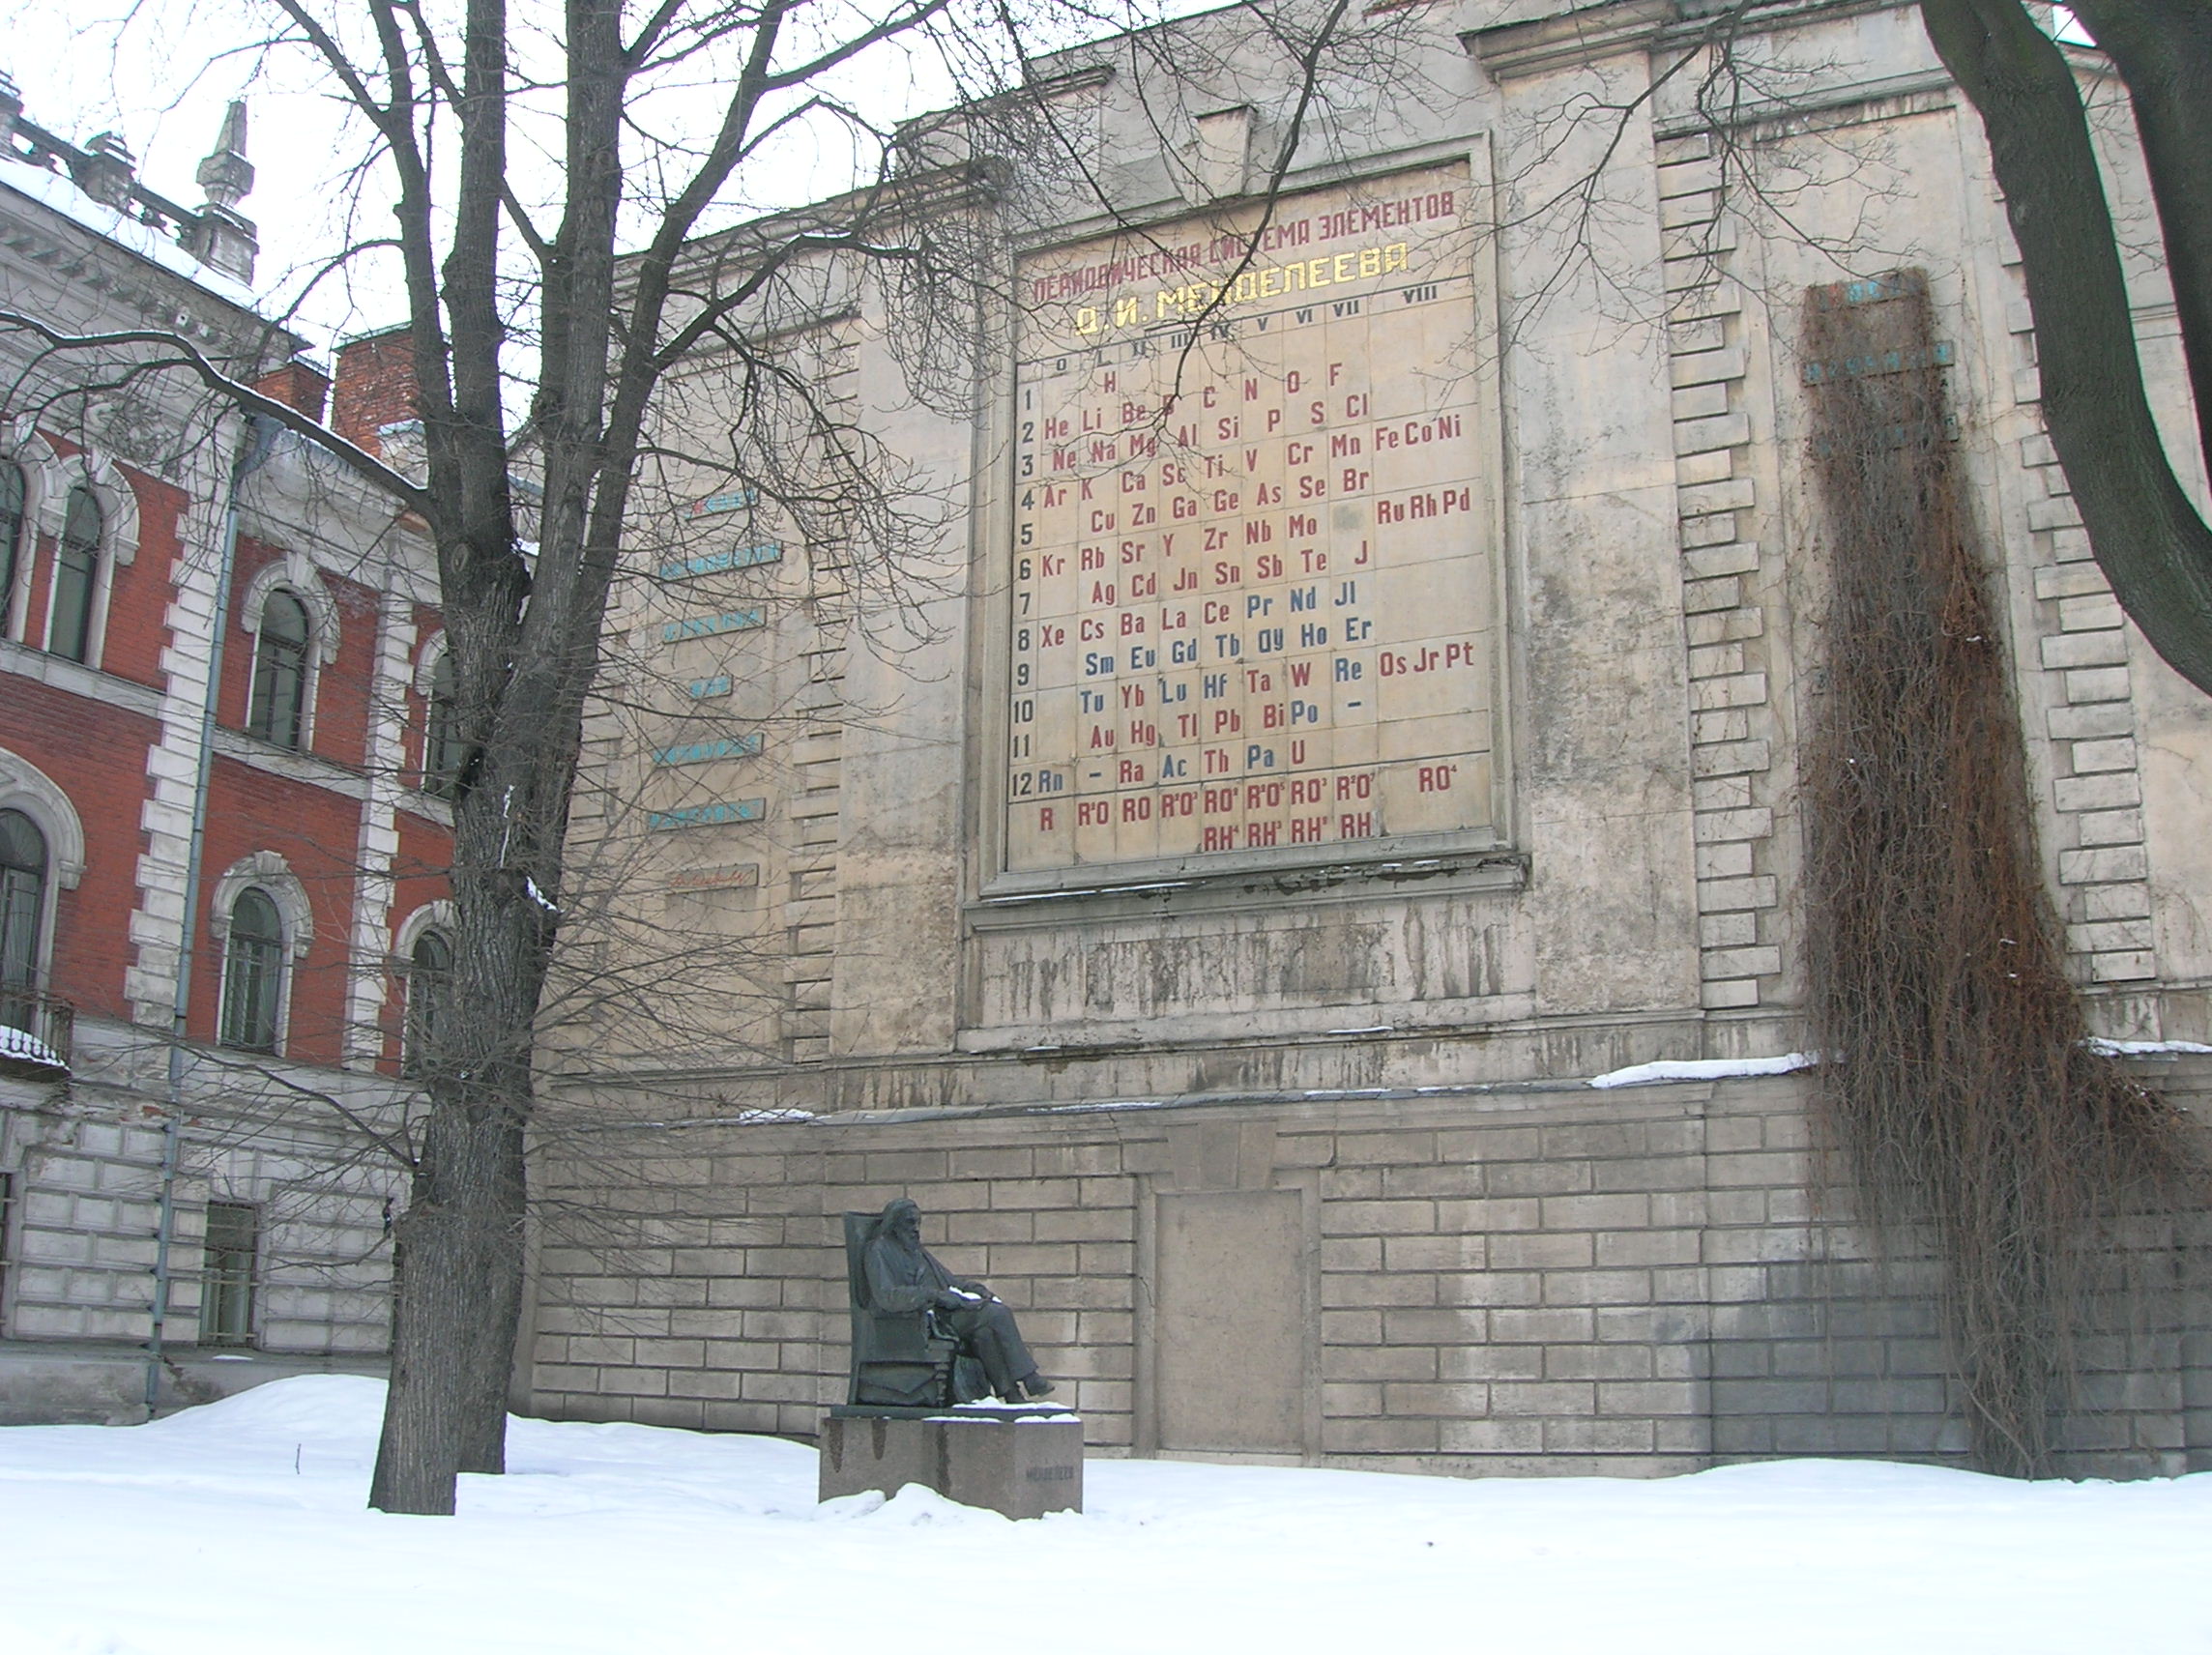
{"points": [[219, 853]]}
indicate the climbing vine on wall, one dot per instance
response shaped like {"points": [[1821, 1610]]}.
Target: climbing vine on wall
{"points": [[1962, 1102]]}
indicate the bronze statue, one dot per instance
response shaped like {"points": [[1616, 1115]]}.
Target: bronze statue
{"points": [[899, 1279]]}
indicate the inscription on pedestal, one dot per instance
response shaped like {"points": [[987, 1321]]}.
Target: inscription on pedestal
{"points": [[1021, 1463]]}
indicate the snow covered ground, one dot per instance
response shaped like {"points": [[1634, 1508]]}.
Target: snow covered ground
{"points": [[239, 1528]]}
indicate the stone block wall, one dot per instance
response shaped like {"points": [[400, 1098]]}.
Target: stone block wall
{"points": [[1518, 1280], [85, 1179], [1725, 579], [80, 1257]]}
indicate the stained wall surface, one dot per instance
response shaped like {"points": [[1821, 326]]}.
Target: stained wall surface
{"points": [[1532, 1280], [1348, 698]]}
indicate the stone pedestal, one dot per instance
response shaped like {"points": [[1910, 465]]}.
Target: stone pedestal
{"points": [[1023, 1462]]}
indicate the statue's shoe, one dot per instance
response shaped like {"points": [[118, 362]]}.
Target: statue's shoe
{"points": [[1038, 1386]]}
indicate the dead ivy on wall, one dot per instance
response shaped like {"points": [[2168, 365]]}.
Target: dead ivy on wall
{"points": [[1962, 1100]]}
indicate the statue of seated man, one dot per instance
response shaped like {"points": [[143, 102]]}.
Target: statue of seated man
{"points": [[903, 1276]]}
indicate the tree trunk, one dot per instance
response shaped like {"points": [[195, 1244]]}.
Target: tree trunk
{"points": [[459, 1253], [489, 1357], [2163, 49], [461, 1242], [2148, 539]]}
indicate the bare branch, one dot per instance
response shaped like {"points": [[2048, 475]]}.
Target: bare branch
{"points": [[183, 355]]}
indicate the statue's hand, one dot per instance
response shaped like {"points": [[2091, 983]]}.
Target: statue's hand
{"points": [[953, 1298]]}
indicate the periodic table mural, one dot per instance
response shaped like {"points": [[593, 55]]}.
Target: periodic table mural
{"points": [[1251, 578]]}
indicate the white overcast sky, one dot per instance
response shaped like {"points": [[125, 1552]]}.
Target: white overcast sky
{"points": [[162, 73]]}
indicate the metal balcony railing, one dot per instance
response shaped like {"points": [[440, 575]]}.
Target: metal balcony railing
{"points": [[35, 1033]]}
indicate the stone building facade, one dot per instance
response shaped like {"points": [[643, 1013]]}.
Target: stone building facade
{"points": [[214, 680], [1225, 941]]}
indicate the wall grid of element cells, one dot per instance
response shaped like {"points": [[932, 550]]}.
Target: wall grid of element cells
{"points": [[1251, 597]]}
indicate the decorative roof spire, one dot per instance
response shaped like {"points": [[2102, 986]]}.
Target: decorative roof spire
{"points": [[222, 238], [227, 175]]}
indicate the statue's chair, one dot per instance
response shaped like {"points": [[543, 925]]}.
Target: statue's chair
{"points": [[901, 1358]]}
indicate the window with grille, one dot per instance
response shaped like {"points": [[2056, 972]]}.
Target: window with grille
{"points": [[23, 909], [441, 734], [12, 495], [77, 579], [429, 970], [226, 1277], [7, 1228], [275, 711], [252, 974]]}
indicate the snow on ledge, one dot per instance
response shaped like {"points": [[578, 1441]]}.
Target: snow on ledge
{"points": [[1731, 1069], [61, 195], [1701, 1069]]}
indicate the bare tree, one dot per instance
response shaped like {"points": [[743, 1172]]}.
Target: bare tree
{"points": [[566, 244], [524, 621]]}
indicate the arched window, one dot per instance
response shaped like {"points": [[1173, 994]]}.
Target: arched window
{"points": [[429, 972], [442, 732], [23, 909], [252, 973], [278, 705], [77, 579], [12, 495]]}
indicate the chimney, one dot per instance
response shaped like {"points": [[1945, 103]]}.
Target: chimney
{"points": [[375, 387], [299, 383]]}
